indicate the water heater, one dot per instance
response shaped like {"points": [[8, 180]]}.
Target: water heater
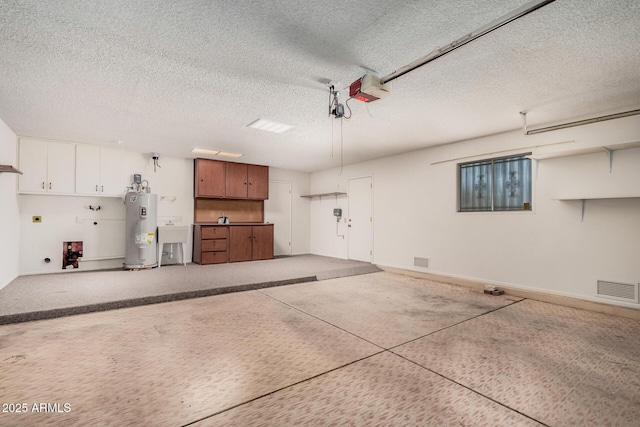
{"points": [[141, 226]]}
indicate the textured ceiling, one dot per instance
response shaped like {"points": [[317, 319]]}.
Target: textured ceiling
{"points": [[166, 77]]}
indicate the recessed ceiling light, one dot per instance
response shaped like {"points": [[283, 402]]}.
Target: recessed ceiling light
{"points": [[270, 126], [203, 151]]}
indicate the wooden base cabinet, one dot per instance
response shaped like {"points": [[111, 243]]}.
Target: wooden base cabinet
{"points": [[210, 244], [215, 244], [263, 242], [250, 242]]}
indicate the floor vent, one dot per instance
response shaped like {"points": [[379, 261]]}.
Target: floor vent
{"points": [[619, 291], [421, 262]]}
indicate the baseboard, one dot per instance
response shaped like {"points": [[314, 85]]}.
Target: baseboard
{"points": [[568, 301]]}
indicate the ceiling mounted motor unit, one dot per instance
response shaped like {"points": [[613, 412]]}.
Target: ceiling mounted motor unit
{"points": [[368, 88]]}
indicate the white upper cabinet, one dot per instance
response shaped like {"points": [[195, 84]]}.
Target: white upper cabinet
{"points": [[48, 167], [98, 171], [87, 169]]}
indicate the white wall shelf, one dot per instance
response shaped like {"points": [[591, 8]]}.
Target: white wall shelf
{"points": [[609, 149], [9, 169], [311, 196], [583, 199]]}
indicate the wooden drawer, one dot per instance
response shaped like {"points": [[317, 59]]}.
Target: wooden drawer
{"points": [[215, 257], [215, 232], [214, 245]]}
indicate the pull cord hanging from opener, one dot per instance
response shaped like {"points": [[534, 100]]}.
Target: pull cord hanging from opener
{"points": [[337, 110]]}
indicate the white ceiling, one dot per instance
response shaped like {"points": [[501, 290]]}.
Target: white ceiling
{"points": [[168, 76]]}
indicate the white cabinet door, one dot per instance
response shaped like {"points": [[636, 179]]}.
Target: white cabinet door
{"points": [[87, 169], [33, 164], [98, 170], [111, 172], [61, 159], [47, 167]]}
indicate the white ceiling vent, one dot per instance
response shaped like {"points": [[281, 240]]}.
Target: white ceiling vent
{"points": [[618, 291], [421, 262]]}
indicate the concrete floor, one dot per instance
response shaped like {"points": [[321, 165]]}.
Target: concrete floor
{"points": [[375, 349], [47, 296]]}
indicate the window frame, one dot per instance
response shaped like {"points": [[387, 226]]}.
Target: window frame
{"points": [[492, 161]]}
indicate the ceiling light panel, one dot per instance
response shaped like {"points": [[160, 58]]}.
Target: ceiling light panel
{"points": [[203, 151], [215, 152], [270, 126], [222, 153]]}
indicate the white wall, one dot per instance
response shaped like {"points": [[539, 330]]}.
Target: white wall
{"points": [[174, 179], [300, 207], [9, 222], [548, 250], [328, 237]]}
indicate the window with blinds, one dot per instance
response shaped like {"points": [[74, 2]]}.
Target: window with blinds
{"points": [[501, 184]]}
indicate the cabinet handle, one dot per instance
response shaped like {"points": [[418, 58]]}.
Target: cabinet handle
{"points": [[49, 186], [96, 188], [102, 188], [43, 185]]}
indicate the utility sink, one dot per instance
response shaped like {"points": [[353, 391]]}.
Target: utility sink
{"points": [[173, 233]]}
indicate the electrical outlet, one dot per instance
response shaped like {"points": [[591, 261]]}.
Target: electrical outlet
{"points": [[36, 218]]}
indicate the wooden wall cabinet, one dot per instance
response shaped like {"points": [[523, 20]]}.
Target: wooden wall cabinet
{"points": [[258, 179], [238, 191], [216, 179], [236, 182], [209, 178]]}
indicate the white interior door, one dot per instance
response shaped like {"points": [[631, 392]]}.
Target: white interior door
{"points": [[360, 222], [277, 210]]}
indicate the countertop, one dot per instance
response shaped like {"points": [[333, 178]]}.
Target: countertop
{"points": [[233, 223]]}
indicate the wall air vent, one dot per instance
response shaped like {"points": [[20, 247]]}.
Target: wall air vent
{"points": [[618, 291], [421, 262]]}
